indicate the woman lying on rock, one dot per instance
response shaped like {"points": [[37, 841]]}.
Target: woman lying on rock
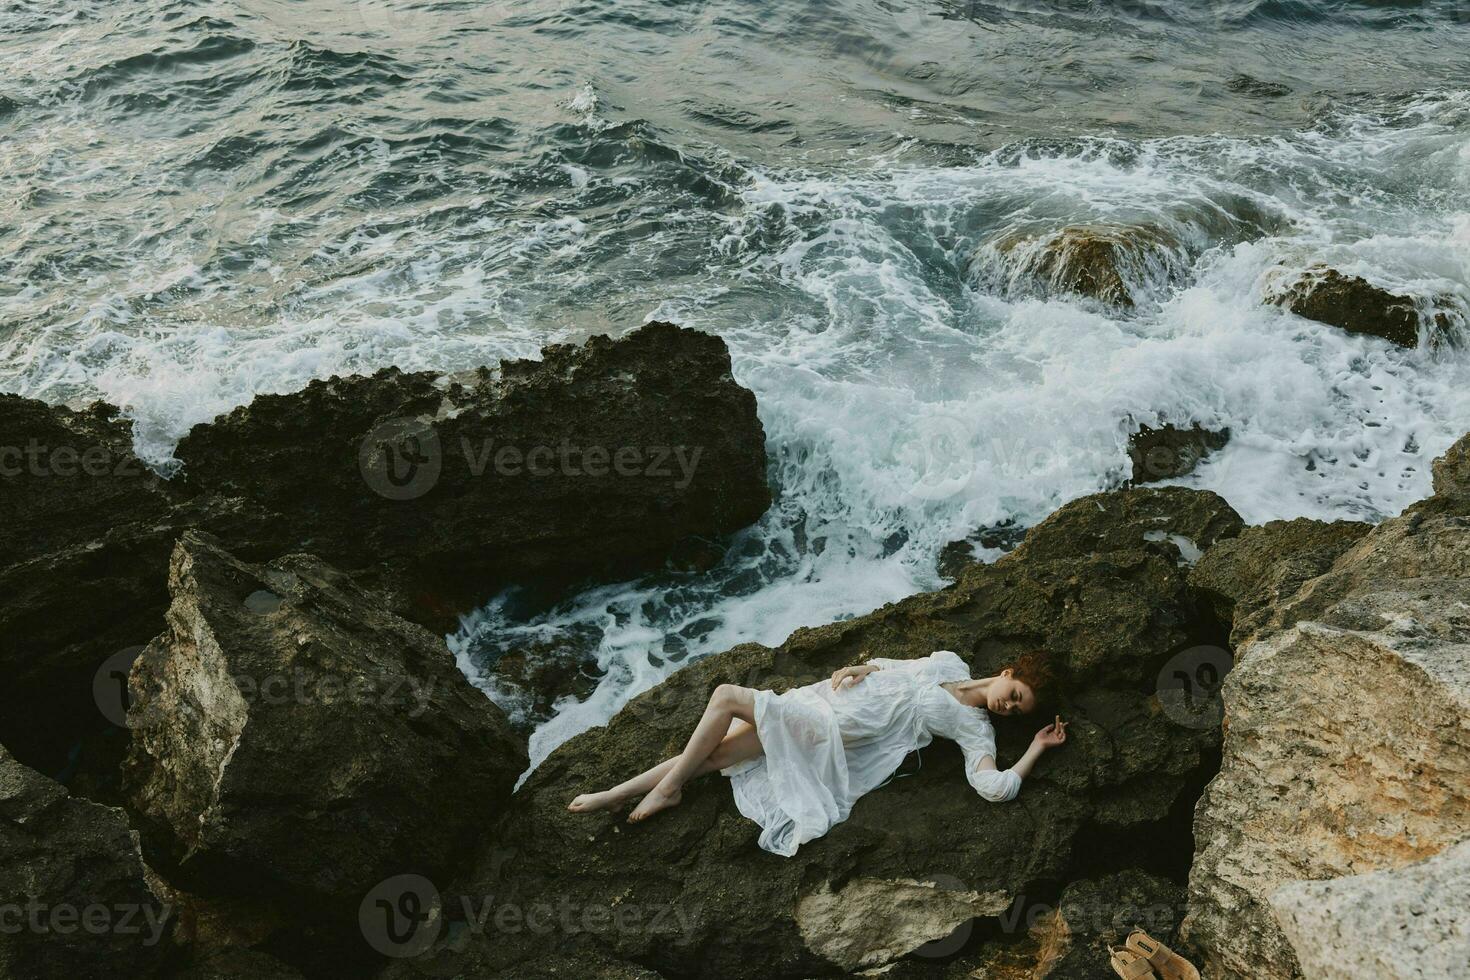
{"points": [[799, 761]]}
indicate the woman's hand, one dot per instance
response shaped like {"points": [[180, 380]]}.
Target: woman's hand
{"points": [[1052, 735], [857, 673]]}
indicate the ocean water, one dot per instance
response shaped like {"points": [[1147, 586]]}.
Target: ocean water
{"points": [[202, 201]]}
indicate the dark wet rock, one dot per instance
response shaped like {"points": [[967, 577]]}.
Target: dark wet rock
{"points": [[1175, 521], [1266, 564], [1003, 537], [1256, 88], [68, 475], [294, 742], [1167, 452], [1094, 915], [1103, 262], [72, 886], [596, 461], [237, 964], [1353, 304], [924, 854], [82, 567], [246, 939], [1346, 743]]}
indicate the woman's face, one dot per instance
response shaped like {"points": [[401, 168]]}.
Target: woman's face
{"points": [[1008, 696]]}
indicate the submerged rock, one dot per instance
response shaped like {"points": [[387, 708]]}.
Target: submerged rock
{"points": [[1356, 305], [1347, 721], [1169, 452], [1112, 264], [294, 742], [72, 891], [1112, 605], [1244, 84], [596, 461], [1002, 537]]}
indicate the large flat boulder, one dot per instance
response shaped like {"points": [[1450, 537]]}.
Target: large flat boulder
{"points": [[1403, 923], [1408, 922], [1347, 736], [73, 899], [595, 461], [292, 741], [1101, 585]]}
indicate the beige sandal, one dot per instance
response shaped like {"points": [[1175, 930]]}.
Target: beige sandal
{"points": [[1130, 966], [1169, 964]]}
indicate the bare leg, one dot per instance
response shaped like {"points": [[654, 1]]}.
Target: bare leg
{"points": [[726, 705], [628, 789], [739, 745]]}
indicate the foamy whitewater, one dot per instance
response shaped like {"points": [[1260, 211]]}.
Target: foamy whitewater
{"points": [[913, 387]]}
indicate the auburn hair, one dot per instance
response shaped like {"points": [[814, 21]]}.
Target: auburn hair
{"points": [[1033, 668]]}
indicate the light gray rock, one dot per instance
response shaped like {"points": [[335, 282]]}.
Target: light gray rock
{"points": [[1413, 922], [1347, 737]]}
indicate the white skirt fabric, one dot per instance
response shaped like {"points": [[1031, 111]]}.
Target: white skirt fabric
{"points": [[824, 749]]}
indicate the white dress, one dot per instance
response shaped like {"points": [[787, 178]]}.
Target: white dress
{"points": [[824, 749]]}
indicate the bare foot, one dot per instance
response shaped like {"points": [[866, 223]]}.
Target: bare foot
{"points": [[655, 801], [588, 802]]}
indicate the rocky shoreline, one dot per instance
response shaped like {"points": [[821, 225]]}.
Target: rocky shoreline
{"points": [[1270, 766]]}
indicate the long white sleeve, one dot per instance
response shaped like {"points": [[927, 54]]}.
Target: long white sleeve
{"points": [[944, 661], [884, 663], [976, 738], [995, 785]]}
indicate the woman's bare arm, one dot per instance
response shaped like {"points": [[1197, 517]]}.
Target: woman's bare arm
{"points": [[1049, 737], [857, 672]]}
